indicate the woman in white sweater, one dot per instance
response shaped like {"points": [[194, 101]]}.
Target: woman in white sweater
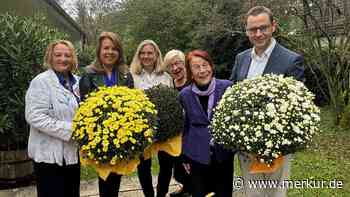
{"points": [[148, 70], [50, 105]]}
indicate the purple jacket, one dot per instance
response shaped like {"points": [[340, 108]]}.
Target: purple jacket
{"points": [[196, 135]]}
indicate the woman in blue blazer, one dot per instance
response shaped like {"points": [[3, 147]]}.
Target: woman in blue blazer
{"points": [[209, 165]]}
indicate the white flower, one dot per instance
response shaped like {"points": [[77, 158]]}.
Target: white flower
{"points": [[266, 115], [270, 107], [306, 117], [286, 142], [275, 155], [271, 114], [246, 139], [236, 127], [267, 127], [273, 131], [296, 129], [284, 107], [258, 134], [305, 105], [230, 99], [269, 144], [235, 112], [267, 152], [279, 127]]}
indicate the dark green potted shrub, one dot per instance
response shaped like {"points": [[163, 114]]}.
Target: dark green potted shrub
{"points": [[170, 112], [23, 43]]}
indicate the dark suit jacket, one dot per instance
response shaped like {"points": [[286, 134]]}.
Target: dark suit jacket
{"points": [[281, 61], [196, 136]]}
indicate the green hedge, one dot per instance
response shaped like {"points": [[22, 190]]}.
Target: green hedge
{"points": [[23, 43]]}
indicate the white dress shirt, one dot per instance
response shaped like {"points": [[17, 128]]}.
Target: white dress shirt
{"points": [[147, 80], [258, 64]]}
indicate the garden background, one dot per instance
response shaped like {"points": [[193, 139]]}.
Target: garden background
{"points": [[318, 29]]}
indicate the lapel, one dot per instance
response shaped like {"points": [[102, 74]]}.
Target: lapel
{"points": [[245, 65], [97, 79], [121, 79], [197, 105], [273, 60], [55, 82], [217, 93]]}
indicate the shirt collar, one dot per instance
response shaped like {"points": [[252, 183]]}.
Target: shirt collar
{"points": [[143, 72], [267, 52], [63, 81]]}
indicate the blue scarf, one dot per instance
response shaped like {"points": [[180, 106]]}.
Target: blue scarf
{"points": [[110, 81]]}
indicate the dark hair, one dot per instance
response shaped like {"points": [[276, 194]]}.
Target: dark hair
{"points": [[198, 53], [254, 11]]}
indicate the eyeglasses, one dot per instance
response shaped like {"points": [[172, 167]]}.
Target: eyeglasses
{"points": [[198, 66], [177, 63], [254, 30]]}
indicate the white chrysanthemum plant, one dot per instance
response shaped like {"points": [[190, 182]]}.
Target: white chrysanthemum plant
{"points": [[268, 116]]}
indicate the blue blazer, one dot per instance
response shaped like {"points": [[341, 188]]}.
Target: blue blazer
{"points": [[196, 135], [281, 61]]}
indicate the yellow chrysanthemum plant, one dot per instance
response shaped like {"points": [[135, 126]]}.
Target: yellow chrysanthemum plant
{"points": [[113, 126]]}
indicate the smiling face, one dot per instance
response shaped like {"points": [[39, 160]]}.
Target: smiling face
{"points": [[259, 29], [177, 68], [202, 71], [148, 57], [109, 53], [62, 58]]}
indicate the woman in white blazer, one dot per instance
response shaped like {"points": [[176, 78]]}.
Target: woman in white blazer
{"points": [[50, 105]]}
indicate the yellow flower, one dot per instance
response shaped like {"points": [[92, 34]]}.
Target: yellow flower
{"points": [[147, 133], [132, 140], [111, 119]]}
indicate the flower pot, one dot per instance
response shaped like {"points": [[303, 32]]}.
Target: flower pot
{"points": [[15, 165], [258, 167]]}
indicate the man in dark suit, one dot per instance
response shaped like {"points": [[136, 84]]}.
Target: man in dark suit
{"points": [[266, 56]]}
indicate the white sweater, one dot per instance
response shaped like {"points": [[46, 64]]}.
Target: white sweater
{"points": [[49, 110]]}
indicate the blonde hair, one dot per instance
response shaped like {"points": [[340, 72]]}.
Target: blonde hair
{"points": [[136, 66], [171, 55], [49, 53]]}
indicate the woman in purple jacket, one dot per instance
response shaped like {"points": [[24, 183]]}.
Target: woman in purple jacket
{"points": [[209, 165]]}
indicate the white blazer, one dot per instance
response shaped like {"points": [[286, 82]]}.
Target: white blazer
{"points": [[49, 110]]}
